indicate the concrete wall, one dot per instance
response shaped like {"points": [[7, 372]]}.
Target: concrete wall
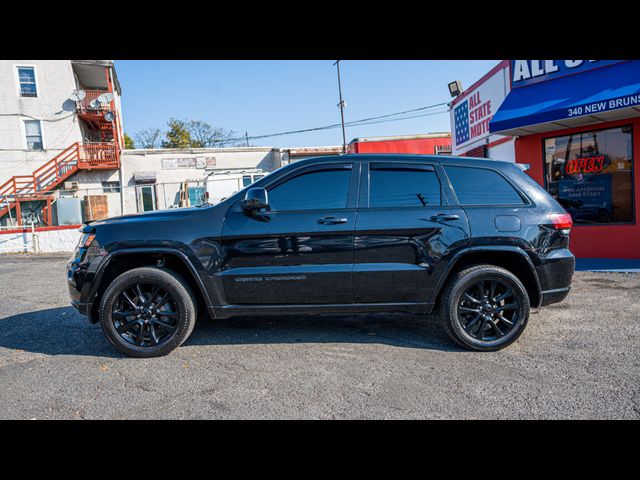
{"points": [[172, 166], [165, 162], [49, 241], [55, 81]]}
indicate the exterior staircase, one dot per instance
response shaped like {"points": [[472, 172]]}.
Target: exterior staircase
{"points": [[48, 177]]}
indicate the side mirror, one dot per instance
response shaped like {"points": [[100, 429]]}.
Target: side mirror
{"points": [[255, 199]]}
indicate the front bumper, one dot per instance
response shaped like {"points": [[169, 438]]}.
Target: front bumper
{"points": [[81, 270]]}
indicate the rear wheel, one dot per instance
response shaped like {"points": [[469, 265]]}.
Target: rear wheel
{"points": [[485, 308], [147, 312]]}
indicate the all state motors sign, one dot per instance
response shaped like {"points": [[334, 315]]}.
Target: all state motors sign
{"points": [[528, 72], [473, 110]]}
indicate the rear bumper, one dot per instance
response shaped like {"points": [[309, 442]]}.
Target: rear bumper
{"points": [[548, 297], [555, 272]]}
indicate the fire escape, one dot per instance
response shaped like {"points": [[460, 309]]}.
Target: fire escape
{"points": [[101, 120]]}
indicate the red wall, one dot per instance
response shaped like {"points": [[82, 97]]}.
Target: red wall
{"points": [[425, 146], [615, 241]]}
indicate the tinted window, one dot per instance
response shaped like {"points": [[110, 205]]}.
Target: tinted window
{"points": [[479, 186], [403, 187], [323, 189]]}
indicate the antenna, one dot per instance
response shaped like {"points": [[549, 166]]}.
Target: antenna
{"points": [[77, 95], [105, 97]]}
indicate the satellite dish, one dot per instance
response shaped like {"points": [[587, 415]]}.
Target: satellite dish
{"points": [[95, 104], [77, 95], [108, 116], [105, 97]]}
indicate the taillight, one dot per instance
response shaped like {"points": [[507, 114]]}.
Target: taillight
{"points": [[562, 222]]}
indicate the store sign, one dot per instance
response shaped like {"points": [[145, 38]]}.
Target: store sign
{"points": [[585, 165], [470, 117], [528, 72], [632, 100], [589, 200]]}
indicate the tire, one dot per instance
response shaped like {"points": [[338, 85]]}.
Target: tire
{"points": [[509, 315], [161, 327]]}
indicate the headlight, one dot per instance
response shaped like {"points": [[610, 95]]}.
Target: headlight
{"points": [[86, 239]]}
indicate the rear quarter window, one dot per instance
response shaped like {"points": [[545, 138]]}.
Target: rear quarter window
{"points": [[481, 186]]}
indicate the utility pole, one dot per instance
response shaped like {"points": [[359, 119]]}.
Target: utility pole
{"points": [[341, 105], [246, 136]]}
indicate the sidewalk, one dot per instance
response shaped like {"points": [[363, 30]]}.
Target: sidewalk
{"points": [[608, 265]]}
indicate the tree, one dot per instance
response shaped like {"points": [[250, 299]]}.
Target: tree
{"points": [[178, 135], [148, 138], [128, 142], [204, 135]]}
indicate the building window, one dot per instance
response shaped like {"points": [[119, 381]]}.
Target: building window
{"points": [[27, 80], [33, 131], [249, 179], [111, 187], [591, 175]]}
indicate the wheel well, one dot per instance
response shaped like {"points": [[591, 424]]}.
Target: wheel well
{"points": [[121, 263], [512, 261]]}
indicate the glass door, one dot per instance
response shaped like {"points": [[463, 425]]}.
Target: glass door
{"points": [[146, 198]]}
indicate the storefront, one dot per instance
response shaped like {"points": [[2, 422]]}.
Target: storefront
{"points": [[577, 123]]}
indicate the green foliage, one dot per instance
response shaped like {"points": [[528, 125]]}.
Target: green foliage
{"points": [[185, 134], [128, 142], [178, 135]]}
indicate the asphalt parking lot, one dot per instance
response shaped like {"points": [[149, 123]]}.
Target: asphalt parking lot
{"points": [[577, 359]]}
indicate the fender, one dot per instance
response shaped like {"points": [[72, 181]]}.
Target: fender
{"points": [[483, 248], [97, 279]]}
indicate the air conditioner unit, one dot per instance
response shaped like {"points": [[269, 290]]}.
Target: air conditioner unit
{"points": [[71, 185]]}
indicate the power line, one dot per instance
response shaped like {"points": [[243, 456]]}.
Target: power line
{"points": [[357, 122]]}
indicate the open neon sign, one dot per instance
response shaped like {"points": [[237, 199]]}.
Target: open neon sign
{"points": [[585, 165]]}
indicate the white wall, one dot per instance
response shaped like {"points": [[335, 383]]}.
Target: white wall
{"points": [[503, 151], [229, 164], [49, 241], [55, 81]]}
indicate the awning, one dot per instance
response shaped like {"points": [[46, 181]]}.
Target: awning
{"points": [[144, 177], [600, 95]]}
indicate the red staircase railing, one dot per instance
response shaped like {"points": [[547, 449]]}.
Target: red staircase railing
{"points": [[79, 156]]}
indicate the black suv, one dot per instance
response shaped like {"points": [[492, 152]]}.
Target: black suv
{"points": [[476, 240]]}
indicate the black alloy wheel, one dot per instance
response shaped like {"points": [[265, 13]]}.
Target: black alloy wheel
{"points": [[145, 314], [484, 307], [148, 311], [488, 309]]}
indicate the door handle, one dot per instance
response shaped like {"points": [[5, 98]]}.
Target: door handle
{"points": [[445, 216], [332, 220]]}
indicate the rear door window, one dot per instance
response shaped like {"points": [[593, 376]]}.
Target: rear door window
{"points": [[481, 186], [403, 186]]}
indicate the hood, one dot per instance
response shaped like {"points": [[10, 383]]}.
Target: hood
{"points": [[154, 216]]}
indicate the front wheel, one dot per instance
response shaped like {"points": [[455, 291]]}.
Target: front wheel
{"points": [[147, 312], [485, 308]]}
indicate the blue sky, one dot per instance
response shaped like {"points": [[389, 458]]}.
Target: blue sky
{"points": [[270, 96]]}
